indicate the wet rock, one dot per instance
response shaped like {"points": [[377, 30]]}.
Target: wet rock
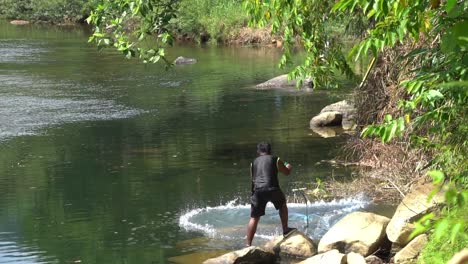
{"points": [[359, 232], [249, 255], [19, 22], [373, 260], [342, 114], [330, 257], [460, 258], [282, 81], [327, 119], [182, 60], [297, 245], [354, 258], [412, 250], [414, 206]]}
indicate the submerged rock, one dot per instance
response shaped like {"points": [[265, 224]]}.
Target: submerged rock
{"points": [[182, 60], [282, 81], [414, 206], [359, 232], [249, 255]]}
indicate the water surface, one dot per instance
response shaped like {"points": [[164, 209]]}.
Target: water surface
{"points": [[101, 158]]}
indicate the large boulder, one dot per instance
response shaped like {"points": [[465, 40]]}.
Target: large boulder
{"points": [[282, 81], [359, 232], [330, 257], [182, 60], [414, 206], [412, 250], [342, 113], [249, 255], [297, 245], [327, 119]]}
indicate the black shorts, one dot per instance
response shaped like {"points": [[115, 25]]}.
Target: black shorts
{"points": [[259, 200]]}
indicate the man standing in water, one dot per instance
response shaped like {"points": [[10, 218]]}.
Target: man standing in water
{"points": [[265, 188]]}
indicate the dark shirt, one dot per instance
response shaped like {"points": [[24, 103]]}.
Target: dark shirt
{"points": [[265, 173]]}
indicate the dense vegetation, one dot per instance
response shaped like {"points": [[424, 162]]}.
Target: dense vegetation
{"points": [[52, 11]]}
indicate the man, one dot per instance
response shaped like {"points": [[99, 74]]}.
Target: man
{"points": [[265, 188]]}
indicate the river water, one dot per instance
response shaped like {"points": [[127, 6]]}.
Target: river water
{"points": [[107, 160]]}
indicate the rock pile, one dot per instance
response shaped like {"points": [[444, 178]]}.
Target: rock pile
{"points": [[358, 238]]}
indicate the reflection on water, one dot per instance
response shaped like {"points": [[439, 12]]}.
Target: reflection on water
{"points": [[100, 157]]}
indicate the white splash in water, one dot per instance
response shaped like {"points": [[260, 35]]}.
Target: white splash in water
{"points": [[229, 221]]}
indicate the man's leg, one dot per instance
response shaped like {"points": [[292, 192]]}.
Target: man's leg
{"points": [[251, 229], [283, 213]]}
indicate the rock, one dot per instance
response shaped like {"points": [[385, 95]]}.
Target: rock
{"points": [[249, 255], [412, 250], [282, 81], [297, 245], [342, 113], [358, 232], [460, 258], [19, 22], [327, 119], [354, 258], [344, 106], [182, 60], [413, 207], [373, 260], [330, 257]]}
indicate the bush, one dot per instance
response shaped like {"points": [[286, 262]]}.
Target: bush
{"points": [[54, 11], [216, 18]]}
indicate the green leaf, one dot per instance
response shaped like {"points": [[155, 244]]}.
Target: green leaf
{"points": [[449, 5], [437, 176]]}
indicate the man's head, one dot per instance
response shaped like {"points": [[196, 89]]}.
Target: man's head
{"points": [[264, 148]]}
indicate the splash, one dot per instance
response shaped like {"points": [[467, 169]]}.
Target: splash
{"points": [[229, 221]]}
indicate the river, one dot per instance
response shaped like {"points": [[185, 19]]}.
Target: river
{"points": [[107, 160]]}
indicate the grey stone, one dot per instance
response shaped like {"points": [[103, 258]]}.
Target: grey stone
{"points": [[412, 250], [282, 81], [355, 258], [330, 257], [297, 245], [249, 255], [182, 60], [413, 207], [359, 232]]}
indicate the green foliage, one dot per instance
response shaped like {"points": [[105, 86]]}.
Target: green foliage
{"points": [[46, 10], [217, 18], [448, 230], [308, 22], [113, 20]]}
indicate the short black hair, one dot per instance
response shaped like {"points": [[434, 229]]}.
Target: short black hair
{"points": [[264, 147]]}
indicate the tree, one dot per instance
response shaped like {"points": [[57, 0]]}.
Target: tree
{"points": [[136, 28]]}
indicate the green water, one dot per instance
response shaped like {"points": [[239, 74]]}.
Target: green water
{"points": [[100, 156]]}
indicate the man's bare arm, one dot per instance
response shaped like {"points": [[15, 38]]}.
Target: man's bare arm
{"points": [[284, 167]]}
